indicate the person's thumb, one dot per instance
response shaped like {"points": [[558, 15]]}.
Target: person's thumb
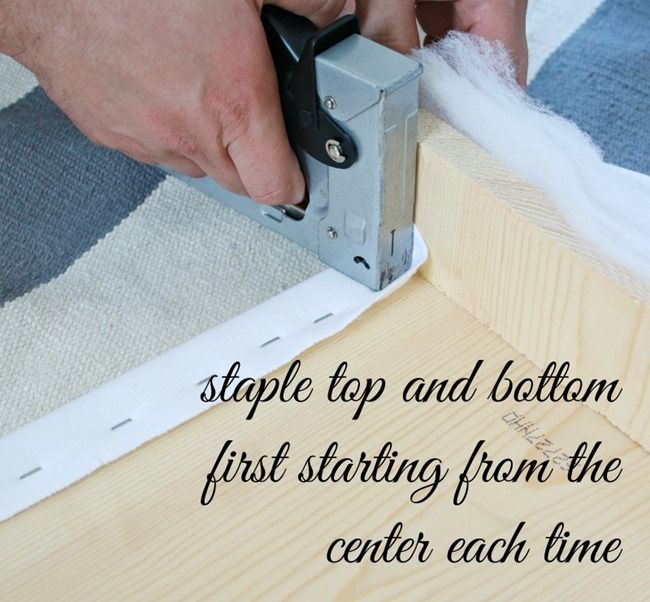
{"points": [[255, 135], [252, 127]]}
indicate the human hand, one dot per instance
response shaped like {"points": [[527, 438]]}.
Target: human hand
{"points": [[503, 20], [190, 85]]}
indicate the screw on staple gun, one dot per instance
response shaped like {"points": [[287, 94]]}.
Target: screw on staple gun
{"points": [[350, 109]]}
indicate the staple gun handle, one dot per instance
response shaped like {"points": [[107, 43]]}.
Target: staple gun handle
{"points": [[295, 42]]}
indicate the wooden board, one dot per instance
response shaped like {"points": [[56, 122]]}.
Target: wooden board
{"points": [[135, 529], [499, 249]]}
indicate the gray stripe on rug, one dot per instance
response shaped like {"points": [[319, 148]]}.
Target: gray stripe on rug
{"points": [[59, 193], [600, 79]]}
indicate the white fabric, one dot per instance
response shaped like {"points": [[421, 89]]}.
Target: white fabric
{"points": [[63, 446], [470, 83]]}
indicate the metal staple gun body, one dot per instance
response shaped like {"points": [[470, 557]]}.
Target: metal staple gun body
{"points": [[350, 108]]}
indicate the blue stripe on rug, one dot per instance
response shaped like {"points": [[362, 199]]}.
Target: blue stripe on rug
{"points": [[600, 79], [59, 193]]}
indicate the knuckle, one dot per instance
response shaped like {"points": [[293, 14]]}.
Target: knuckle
{"points": [[168, 130], [235, 119], [182, 143], [229, 113]]}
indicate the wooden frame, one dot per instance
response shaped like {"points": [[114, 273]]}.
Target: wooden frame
{"points": [[499, 249]]}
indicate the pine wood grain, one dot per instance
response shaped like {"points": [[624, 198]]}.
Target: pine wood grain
{"points": [[499, 248], [135, 529]]}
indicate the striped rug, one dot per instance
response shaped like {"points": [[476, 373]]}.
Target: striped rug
{"points": [[107, 263]]}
